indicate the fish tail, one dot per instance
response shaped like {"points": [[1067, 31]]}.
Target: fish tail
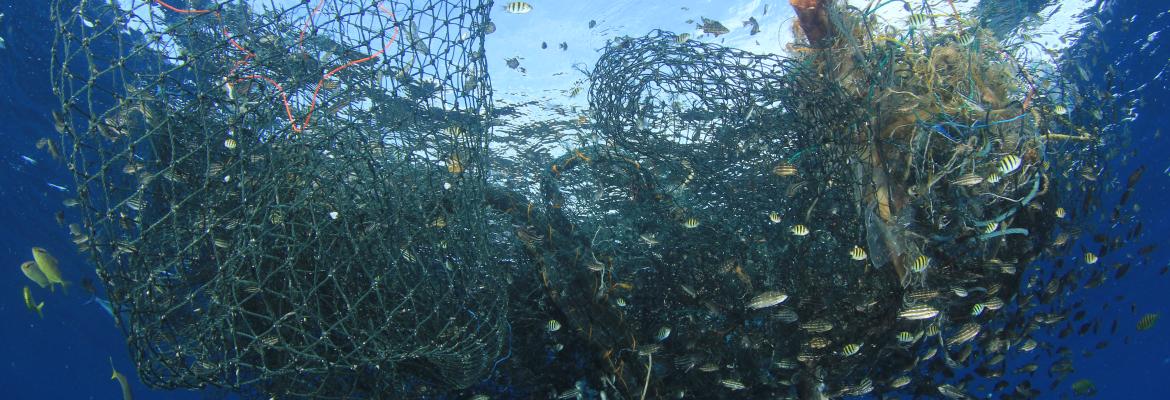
{"points": [[39, 307], [65, 287]]}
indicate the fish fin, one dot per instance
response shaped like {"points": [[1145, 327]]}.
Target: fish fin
{"points": [[39, 307]]}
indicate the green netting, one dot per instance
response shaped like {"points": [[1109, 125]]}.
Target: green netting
{"points": [[304, 201], [286, 200]]}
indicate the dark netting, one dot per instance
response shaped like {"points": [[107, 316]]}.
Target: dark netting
{"points": [[301, 202], [721, 178], [286, 201]]}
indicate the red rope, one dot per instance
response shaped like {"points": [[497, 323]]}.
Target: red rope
{"points": [[284, 96]]}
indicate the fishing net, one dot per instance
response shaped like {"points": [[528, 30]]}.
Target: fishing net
{"points": [[286, 201], [719, 178], [304, 201]]}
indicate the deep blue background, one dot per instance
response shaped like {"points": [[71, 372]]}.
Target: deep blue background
{"points": [[64, 356]]}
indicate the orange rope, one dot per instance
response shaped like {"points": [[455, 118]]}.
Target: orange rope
{"points": [[284, 96]]}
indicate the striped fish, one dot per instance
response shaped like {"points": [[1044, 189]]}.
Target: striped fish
{"points": [[767, 299], [965, 334], [918, 312], [919, 265], [857, 254], [1009, 164], [967, 180], [917, 21], [850, 349], [518, 7], [799, 230]]}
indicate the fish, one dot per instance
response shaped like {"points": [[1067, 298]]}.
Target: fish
{"points": [[691, 223], [774, 217], [799, 230], [34, 274], [564, 46], [592, 23], [1009, 164], [32, 304], [683, 37], [230, 144], [850, 349], [918, 312], [967, 180], [1147, 321], [104, 304], [1060, 213], [977, 309], [784, 169], [518, 7], [965, 38], [755, 25], [817, 326], [1090, 258], [965, 333], [732, 384], [713, 27], [1084, 387], [857, 254], [917, 21], [663, 333], [122, 382], [1059, 109], [919, 265], [900, 382], [993, 178], [48, 266], [767, 299], [552, 325]]}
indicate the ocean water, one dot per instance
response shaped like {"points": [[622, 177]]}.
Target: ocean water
{"points": [[68, 353]]}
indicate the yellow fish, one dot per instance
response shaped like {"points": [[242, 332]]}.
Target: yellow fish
{"points": [[34, 274], [126, 395], [48, 265], [31, 304]]}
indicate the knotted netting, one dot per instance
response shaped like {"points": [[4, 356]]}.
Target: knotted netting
{"points": [[284, 199], [294, 200]]}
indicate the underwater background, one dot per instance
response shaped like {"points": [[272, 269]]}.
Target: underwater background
{"points": [[67, 354]]}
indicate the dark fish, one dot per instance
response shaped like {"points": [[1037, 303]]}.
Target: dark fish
{"points": [[1113, 328], [564, 45], [755, 25], [1121, 271], [1147, 249], [713, 27], [513, 62], [544, 45], [88, 285], [1135, 232], [592, 24]]}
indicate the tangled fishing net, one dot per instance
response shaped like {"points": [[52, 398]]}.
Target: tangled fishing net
{"points": [[299, 223], [296, 202]]}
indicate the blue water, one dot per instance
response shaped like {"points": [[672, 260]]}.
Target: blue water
{"points": [[66, 355]]}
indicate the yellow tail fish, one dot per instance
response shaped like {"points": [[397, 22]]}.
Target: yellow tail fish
{"points": [[48, 265], [32, 304], [126, 395], [34, 274]]}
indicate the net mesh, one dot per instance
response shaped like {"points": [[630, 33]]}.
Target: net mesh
{"points": [[304, 201], [292, 213]]}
